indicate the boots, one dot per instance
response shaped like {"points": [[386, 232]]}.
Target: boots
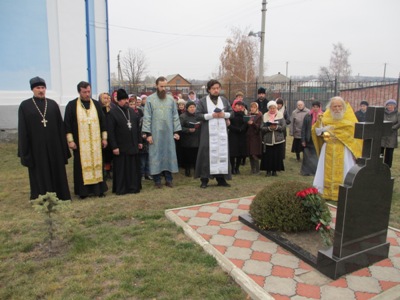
{"points": [[252, 165], [237, 164]]}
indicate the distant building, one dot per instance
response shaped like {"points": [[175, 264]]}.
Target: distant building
{"points": [[63, 42], [177, 84], [277, 82]]}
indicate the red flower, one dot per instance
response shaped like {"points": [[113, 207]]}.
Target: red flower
{"points": [[318, 226]]}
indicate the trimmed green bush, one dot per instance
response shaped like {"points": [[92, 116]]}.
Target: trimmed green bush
{"points": [[276, 207]]}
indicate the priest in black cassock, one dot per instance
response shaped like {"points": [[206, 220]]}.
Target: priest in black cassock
{"points": [[124, 136], [86, 129], [42, 145]]}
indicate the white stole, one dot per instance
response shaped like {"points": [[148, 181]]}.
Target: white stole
{"points": [[218, 140]]}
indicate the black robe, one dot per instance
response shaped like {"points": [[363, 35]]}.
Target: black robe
{"points": [[71, 126], [203, 157], [126, 165], [44, 150]]}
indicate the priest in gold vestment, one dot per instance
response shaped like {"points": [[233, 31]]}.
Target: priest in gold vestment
{"points": [[333, 137]]}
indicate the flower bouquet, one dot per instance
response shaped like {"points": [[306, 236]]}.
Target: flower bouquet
{"points": [[320, 214]]}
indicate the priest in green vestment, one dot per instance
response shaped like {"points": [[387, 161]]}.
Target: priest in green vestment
{"points": [[161, 125]]}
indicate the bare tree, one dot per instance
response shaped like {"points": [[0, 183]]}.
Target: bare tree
{"points": [[134, 66], [339, 66], [238, 60]]}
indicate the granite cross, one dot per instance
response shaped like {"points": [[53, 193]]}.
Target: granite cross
{"points": [[372, 132]]}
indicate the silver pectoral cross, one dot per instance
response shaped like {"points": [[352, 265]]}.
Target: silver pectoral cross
{"points": [[129, 124], [44, 121]]}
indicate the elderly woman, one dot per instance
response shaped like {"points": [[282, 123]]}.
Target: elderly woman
{"points": [[272, 140], [105, 101], [388, 143]]}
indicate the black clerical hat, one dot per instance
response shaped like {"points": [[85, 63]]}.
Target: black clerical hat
{"points": [[261, 90], [37, 81], [122, 94]]}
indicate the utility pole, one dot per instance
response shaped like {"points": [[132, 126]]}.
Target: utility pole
{"points": [[262, 37], [120, 79], [384, 71], [287, 67]]}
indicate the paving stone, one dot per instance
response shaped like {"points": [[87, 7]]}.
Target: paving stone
{"points": [[335, 293], [237, 225], [385, 273], [238, 253], [314, 278], [262, 246], [238, 212], [278, 285], [394, 250], [246, 201], [300, 298], [396, 262], [211, 209], [247, 235], [222, 240], [198, 221], [289, 261], [212, 230], [229, 205], [392, 234], [220, 217], [257, 267], [363, 284], [187, 213]]}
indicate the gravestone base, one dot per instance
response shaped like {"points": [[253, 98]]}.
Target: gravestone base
{"points": [[281, 241], [335, 267]]}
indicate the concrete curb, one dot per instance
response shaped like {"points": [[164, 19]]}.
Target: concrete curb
{"points": [[247, 284]]}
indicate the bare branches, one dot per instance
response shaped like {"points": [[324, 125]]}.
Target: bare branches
{"points": [[134, 66], [339, 65]]}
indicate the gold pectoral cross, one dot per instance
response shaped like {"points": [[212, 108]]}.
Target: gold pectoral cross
{"points": [[89, 120], [44, 121]]}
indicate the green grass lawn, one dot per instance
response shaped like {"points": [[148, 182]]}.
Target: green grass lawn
{"points": [[119, 247]]}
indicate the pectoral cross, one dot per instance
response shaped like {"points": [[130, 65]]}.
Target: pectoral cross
{"points": [[89, 121], [129, 124], [44, 121]]}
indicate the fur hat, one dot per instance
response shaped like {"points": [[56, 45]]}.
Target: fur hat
{"points": [[122, 94], [37, 81]]}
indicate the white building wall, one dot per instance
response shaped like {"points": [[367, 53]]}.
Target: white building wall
{"points": [[68, 55]]}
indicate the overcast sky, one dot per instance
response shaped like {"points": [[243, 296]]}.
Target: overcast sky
{"points": [[187, 36]]}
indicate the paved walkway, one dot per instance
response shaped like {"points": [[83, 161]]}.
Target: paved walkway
{"points": [[267, 271]]}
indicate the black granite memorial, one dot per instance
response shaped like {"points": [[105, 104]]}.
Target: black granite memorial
{"points": [[363, 206], [363, 209]]}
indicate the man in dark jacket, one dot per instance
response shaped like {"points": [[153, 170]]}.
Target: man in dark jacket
{"points": [[262, 101], [362, 113]]}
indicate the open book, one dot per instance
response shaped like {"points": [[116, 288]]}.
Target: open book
{"points": [[193, 124]]}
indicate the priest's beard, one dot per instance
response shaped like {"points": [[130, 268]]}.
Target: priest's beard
{"points": [[337, 115], [161, 94], [214, 97]]}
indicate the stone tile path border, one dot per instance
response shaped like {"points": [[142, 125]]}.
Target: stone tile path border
{"points": [[267, 271]]}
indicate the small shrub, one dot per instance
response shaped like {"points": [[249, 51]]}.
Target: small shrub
{"points": [[277, 207]]}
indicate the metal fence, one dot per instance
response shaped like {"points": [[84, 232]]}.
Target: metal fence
{"points": [[375, 92]]}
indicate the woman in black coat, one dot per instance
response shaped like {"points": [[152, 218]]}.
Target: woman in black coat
{"points": [[190, 137], [237, 137]]}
